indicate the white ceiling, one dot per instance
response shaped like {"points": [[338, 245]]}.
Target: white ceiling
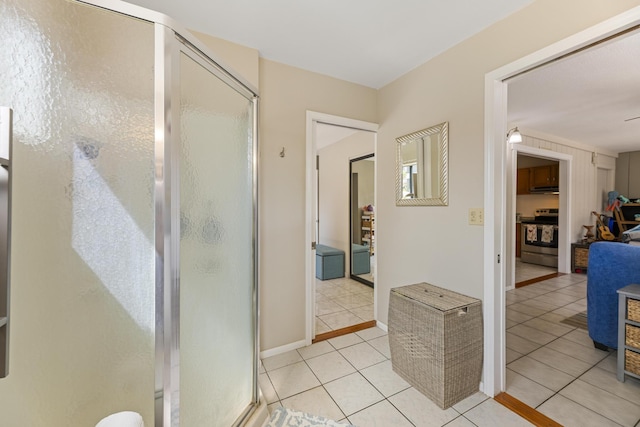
{"points": [[371, 42], [585, 97]]}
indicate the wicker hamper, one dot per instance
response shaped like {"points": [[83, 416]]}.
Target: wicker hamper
{"points": [[435, 337]]}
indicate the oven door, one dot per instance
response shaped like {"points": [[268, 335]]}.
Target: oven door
{"points": [[540, 238], [540, 244]]}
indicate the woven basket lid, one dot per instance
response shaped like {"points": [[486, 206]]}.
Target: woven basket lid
{"points": [[436, 297]]}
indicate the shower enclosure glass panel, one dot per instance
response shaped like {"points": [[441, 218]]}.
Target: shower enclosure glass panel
{"points": [[217, 344], [80, 81], [133, 221]]}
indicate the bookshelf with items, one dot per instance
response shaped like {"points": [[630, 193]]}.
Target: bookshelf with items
{"points": [[368, 230]]}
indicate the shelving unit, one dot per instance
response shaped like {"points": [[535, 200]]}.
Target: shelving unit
{"points": [[625, 223], [629, 332], [368, 231]]}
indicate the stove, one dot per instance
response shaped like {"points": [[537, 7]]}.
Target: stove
{"points": [[540, 238], [544, 216]]}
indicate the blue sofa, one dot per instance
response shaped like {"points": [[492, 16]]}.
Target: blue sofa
{"points": [[611, 266]]}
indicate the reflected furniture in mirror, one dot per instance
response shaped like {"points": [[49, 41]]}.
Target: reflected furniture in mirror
{"points": [[422, 167], [362, 214]]}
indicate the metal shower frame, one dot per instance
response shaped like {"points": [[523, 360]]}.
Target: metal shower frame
{"points": [[172, 39]]}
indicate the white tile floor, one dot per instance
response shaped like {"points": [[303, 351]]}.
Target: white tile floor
{"points": [[551, 366], [554, 367], [349, 378], [342, 302], [526, 271]]}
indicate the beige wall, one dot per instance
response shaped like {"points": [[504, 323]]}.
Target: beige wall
{"points": [[240, 59], [366, 170], [286, 95], [432, 243]]}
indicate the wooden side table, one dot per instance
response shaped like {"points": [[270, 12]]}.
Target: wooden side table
{"points": [[629, 332]]}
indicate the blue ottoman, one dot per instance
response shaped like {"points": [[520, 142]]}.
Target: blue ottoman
{"points": [[329, 262], [360, 263]]}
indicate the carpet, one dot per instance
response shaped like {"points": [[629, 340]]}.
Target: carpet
{"points": [[283, 417], [578, 320]]}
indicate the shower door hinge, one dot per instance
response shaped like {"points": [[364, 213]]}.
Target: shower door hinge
{"points": [[313, 246]]}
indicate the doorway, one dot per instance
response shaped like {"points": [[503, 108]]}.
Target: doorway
{"points": [[334, 296], [537, 230], [496, 184]]}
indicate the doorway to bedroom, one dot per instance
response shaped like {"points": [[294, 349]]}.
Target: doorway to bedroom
{"points": [[341, 294]]}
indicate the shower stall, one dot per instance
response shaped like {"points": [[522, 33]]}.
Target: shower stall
{"points": [[134, 220]]}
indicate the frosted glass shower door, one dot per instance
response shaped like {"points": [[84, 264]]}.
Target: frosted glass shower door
{"points": [[216, 192], [81, 85]]}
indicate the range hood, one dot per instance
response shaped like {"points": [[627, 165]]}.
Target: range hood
{"points": [[548, 189]]}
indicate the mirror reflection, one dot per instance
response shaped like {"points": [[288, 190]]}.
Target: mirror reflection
{"points": [[421, 170], [363, 230]]}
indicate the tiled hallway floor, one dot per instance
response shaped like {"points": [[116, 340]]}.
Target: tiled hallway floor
{"points": [[554, 367], [342, 302], [349, 378], [551, 366], [526, 271]]}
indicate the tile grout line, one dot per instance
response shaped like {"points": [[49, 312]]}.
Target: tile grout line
{"points": [[335, 379], [458, 414], [357, 371], [558, 337], [384, 398]]}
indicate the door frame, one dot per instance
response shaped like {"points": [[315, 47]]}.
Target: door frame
{"points": [[495, 194], [565, 219], [311, 197]]}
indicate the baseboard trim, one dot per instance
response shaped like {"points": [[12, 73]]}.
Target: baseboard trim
{"points": [[282, 349], [525, 411], [382, 326], [344, 331]]}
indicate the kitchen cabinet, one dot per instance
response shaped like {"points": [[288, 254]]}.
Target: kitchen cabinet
{"points": [[523, 181], [544, 176], [628, 174]]}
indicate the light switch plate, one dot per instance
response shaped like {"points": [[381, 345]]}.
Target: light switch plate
{"points": [[476, 216]]}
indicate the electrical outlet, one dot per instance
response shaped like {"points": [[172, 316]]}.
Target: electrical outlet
{"points": [[476, 216]]}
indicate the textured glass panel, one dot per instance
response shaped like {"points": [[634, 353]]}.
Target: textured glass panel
{"points": [[80, 80], [216, 251]]}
